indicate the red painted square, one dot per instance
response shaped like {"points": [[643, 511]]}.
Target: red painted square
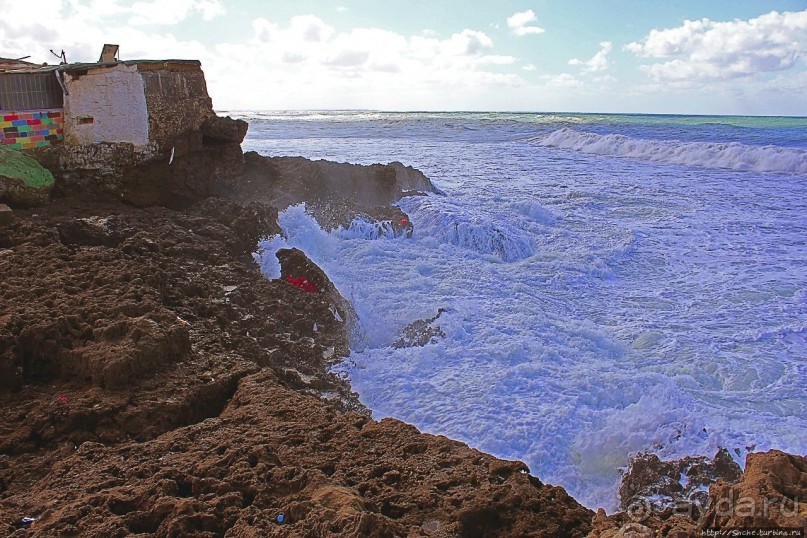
{"points": [[11, 117], [34, 122], [7, 141]]}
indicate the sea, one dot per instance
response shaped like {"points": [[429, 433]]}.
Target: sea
{"points": [[612, 284]]}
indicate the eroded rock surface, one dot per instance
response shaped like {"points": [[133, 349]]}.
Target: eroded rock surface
{"points": [[333, 192], [769, 494], [772, 493], [668, 483], [156, 384], [421, 332]]}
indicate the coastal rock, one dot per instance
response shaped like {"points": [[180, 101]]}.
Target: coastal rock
{"points": [[769, 494], [679, 482], [6, 215], [421, 332], [772, 493], [296, 268], [220, 129], [224, 414], [334, 193]]}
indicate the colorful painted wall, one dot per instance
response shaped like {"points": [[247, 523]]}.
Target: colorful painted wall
{"points": [[31, 128]]}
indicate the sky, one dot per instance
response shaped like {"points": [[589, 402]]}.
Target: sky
{"points": [[622, 56]]}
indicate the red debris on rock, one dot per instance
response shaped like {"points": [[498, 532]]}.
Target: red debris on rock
{"points": [[62, 399], [303, 283]]}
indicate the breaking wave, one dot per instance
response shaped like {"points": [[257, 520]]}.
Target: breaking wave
{"points": [[466, 227], [732, 156], [364, 228]]}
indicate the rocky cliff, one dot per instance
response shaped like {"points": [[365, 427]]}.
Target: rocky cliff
{"points": [[154, 383]]}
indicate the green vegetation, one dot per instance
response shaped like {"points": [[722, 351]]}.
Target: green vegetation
{"points": [[17, 165]]}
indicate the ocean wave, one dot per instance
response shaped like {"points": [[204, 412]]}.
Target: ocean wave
{"points": [[732, 156], [364, 228], [465, 227]]}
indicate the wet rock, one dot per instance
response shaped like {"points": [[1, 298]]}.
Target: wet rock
{"points": [[384, 221], [333, 192], [296, 267], [421, 332], [675, 482]]}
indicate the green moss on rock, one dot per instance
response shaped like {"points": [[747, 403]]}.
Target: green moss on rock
{"points": [[23, 181], [17, 165]]}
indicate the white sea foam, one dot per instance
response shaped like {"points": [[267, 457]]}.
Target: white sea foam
{"points": [[364, 228], [442, 217], [632, 315], [732, 156]]}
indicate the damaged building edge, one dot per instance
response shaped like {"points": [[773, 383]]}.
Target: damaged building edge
{"points": [[142, 103], [142, 131]]}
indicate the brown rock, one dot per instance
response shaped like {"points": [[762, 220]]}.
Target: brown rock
{"points": [[165, 388], [220, 129], [333, 192], [294, 265], [772, 493], [421, 332], [6, 215], [675, 483]]}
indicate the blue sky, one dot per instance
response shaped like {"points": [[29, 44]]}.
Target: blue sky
{"points": [[682, 56]]}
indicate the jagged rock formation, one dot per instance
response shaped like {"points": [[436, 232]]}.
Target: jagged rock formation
{"points": [[772, 493], [334, 193], [421, 332], [769, 494], [159, 385], [679, 482]]}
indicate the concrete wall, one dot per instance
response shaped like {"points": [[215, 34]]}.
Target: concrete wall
{"points": [[106, 104]]}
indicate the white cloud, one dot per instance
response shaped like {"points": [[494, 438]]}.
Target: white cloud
{"points": [[706, 50], [598, 62], [519, 21], [298, 62], [529, 67], [497, 59], [468, 42], [158, 12], [363, 67], [563, 80], [348, 58], [341, 9]]}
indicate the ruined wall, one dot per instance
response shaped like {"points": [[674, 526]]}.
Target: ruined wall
{"points": [[176, 98], [106, 104], [31, 128]]}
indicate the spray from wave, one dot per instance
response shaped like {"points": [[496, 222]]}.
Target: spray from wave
{"points": [[732, 156]]}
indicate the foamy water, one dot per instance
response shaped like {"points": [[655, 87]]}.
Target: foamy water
{"points": [[611, 284]]}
